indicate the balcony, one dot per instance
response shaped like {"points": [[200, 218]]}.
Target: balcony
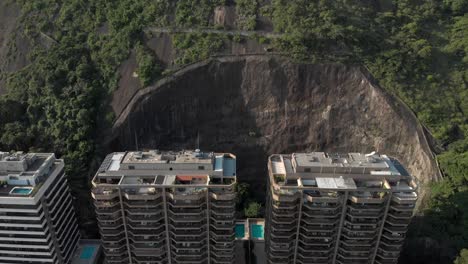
{"points": [[192, 259], [365, 207], [222, 226], [394, 236], [150, 226], [321, 197], [229, 213], [353, 259], [283, 228], [283, 235], [320, 214], [187, 203], [149, 259], [310, 241], [222, 196], [285, 195], [285, 213], [404, 197], [143, 211], [145, 218], [187, 194], [316, 249], [222, 235], [147, 238], [106, 203], [130, 204], [187, 233], [109, 217], [104, 194], [149, 245], [402, 207], [367, 197], [370, 221], [312, 221], [110, 224], [222, 204], [400, 214], [364, 213], [144, 193], [397, 222]]}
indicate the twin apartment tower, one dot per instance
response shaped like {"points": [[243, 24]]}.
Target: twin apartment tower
{"points": [[179, 207]]}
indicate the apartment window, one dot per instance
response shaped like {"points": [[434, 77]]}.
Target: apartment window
{"points": [[131, 167], [307, 169], [201, 167]]}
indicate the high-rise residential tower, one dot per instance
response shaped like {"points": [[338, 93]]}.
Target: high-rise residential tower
{"points": [[339, 209], [37, 219], [166, 207]]}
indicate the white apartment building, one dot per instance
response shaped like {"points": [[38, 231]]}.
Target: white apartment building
{"points": [[37, 219]]}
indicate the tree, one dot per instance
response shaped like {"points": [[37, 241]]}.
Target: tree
{"points": [[242, 193], [252, 210], [463, 258]]}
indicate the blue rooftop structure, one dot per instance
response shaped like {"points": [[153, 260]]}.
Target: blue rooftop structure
{"points": [[226, 164]]}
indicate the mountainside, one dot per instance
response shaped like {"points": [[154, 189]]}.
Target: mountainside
{"points": [[254, 106], [69, 68]]}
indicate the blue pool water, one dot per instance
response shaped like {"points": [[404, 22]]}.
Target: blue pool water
{"points": [[87, 252], [22, 191], [257, 231], [240, 230]]}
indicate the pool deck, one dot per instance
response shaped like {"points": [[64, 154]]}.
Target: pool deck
{"points": [[248, 230], [253, 232], [84, 256]]}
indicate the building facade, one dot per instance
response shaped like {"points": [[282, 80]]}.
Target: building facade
{"points": [[339, 209], [37, 219], [166, 207]]}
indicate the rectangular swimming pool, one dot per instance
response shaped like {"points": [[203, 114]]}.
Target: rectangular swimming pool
{"points": [[21, 190], [257, 231], [87, 252], [240, 230]]}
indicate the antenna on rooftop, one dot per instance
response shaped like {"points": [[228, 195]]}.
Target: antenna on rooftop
{"points": [[198, 139]]}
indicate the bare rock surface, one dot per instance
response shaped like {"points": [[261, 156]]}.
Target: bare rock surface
{"points": [[13, 47], [255, 106], [129, 83]]}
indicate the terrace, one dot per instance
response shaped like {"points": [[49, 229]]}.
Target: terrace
{"points": [[21, 175]]}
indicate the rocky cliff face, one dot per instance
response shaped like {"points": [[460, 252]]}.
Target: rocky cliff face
{"points": [[254, 106]]}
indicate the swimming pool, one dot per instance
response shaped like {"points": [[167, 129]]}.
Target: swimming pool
{"points": [[87, 252], [240, 230], [21, 190], [257, 231]]}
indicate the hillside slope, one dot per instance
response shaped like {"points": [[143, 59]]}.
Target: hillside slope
{"points": [[258, 105]]}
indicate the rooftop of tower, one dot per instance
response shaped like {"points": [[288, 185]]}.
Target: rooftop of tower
{"points": [[320, 170], [155, 167], [22, 174]]}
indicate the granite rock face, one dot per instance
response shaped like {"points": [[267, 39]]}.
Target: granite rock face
{"points": [[254, 106]]}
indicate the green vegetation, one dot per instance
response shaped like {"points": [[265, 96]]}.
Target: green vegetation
{"points": [[58, 103], [242, 194], [463, 258], [247, 14], [195, 13], [196, 46], [252, 210], [148, 68]]}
